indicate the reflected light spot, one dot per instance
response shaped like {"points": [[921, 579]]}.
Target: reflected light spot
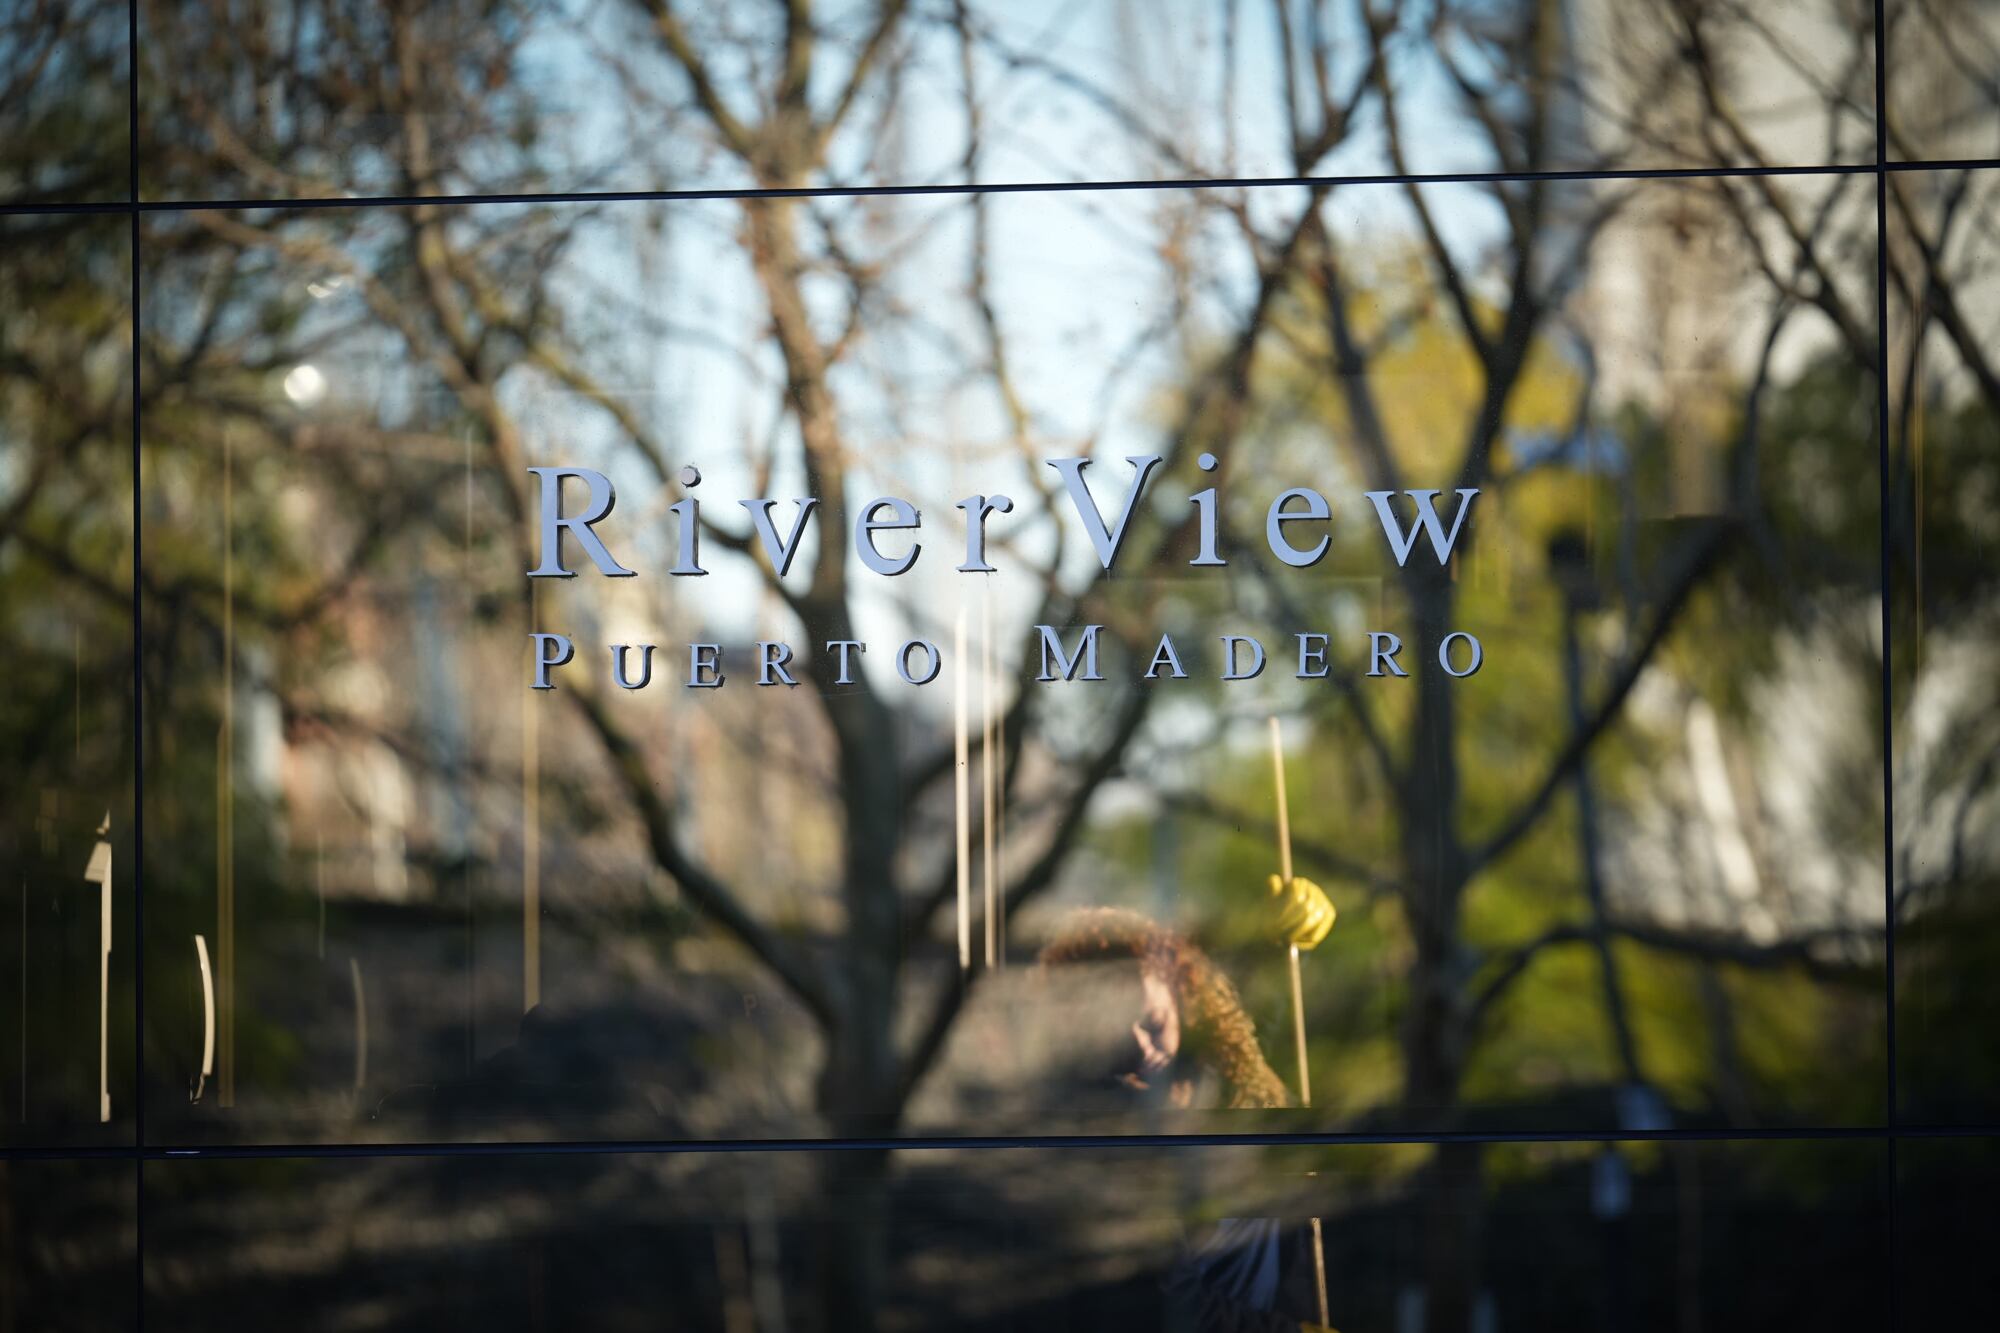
{"points": [[304, 385]]}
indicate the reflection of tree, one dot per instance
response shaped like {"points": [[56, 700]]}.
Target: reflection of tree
{"points": [[471, 301], [1458, 835], [63, 79], [65, 629], [466, 298], [1943, 364]]}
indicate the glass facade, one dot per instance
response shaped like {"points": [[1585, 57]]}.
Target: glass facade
{"points": [[983, 665]]}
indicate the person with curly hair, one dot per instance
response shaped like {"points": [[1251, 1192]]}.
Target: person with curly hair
{"points": [[1246, 1275], [1190, 1020]]}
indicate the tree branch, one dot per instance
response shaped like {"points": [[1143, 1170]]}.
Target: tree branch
{"points": [[709, 893]]}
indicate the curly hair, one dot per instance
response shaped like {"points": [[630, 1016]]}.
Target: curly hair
{"points": [[1218, 1034]]}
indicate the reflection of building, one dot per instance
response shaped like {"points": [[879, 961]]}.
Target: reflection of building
{"points": [[1673, 300], [1670, 318]]}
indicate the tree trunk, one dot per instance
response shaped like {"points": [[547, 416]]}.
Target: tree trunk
{"points": [[1434, 1035], [1454, 1239], [853, 1248], [859, 1082], [1452, 1208]]}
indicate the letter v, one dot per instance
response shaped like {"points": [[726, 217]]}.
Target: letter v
{"points": [[1086, 508], [760, 516]]}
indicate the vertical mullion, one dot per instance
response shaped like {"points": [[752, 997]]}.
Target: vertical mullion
{"points": [[1892, 1260], [138, 698]]}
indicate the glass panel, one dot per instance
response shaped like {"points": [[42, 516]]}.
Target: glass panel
{"points": [[69, 1235], [1945, 1229], [65, 102], [1625, 874], [1944, 350], [259, 101], [66, 714], [1553, 1235], [1944, 101]]}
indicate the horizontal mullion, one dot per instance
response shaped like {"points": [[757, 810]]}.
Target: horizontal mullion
{"points": [[951, 189], [212, 1152], [603, 1147], [996, 187]]}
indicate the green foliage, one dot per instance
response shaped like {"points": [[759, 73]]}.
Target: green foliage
{"points": [[1719, 1039]]}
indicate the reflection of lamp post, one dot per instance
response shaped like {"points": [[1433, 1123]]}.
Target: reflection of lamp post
{"points": [[1569, 563], [1638, 1108]]}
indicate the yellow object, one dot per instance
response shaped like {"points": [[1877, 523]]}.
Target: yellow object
{"points": [[1305, 913]]}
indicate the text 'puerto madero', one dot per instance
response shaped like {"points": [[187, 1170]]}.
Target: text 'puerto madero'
{"points": [[886, 541]]}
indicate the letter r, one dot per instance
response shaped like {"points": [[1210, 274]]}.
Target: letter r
{"points": [[602, 498]]}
